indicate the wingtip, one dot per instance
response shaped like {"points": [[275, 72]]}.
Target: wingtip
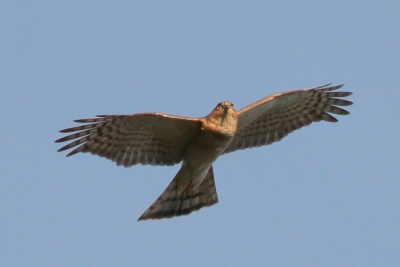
{"points": [[73, 152], [325, 85], [59, 140], [144, 218], [335, 87], [61, 150]]}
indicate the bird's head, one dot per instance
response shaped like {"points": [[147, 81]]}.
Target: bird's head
{"points": [[224, 115]]}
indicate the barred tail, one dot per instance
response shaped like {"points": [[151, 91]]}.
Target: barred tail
{"points": [[171, 203]]}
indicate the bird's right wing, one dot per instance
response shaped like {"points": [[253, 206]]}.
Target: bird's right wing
{"points": [[272, 118], [147, 138]]}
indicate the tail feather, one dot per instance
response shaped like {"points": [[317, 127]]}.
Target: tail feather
{"points": [[171, 203]]}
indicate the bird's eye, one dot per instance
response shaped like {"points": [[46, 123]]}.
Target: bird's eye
{"points": [[232, 106], [218, 106]]}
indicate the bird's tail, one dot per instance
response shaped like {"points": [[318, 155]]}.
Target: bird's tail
{"points": [[171, 203]]}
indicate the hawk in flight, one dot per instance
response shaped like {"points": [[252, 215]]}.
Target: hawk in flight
{"points": [[161, 139]]}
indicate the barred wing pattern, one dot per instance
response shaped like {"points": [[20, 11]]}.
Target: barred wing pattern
{"points": [[274, 117], [147, 138]]}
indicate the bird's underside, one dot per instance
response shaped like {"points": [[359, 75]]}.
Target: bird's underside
{"points": [[161, 139]]}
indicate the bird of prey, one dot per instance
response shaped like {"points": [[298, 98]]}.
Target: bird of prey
{"points": [[161, 139]]}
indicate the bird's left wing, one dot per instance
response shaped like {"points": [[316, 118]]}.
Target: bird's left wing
{"points": [[272, 118], [147, 138]]}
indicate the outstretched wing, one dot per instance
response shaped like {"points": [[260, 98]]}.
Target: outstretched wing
{"points": [[148, 138], [272, 118]]}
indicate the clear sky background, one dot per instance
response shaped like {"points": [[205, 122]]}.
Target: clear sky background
{"points": [[327, 195]]}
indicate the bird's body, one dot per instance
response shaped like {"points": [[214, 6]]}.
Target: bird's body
{"points": [[216, 133], [160, 139], [203, 151]]}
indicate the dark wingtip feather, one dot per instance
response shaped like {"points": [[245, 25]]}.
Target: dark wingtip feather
{"points": [[64, 130], [71, 129], [344, 94], [335, 87], [63, 139], [64, 148], [73, 152], [340, 85], [340, 102], [322, 86], [86, 120], [327, 117]]}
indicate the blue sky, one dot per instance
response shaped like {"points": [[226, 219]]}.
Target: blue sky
{"points": [[327, 195]]}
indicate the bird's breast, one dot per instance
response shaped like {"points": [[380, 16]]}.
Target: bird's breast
{"points": [[207, 147], [201, 154]]}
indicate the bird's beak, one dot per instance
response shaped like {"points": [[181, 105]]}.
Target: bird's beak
{"points": [[225, 107]]}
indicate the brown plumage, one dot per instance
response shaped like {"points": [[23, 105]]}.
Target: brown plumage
{"points": [[161, 139]]}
